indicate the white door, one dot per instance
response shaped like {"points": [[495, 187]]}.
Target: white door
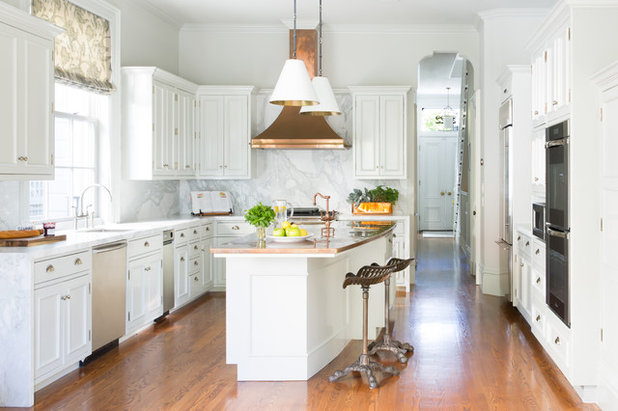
{"points": [[436, 158], [154, 285], [236, 137], [78, 309], [49, 333], [392, 136], [211, 136], [186, 133], [181, 272], [609, 240], [367, 136], [136, 295], [38, 95]]}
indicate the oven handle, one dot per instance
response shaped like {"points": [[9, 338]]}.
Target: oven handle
{"points": [[556, 143], [556, 233]]}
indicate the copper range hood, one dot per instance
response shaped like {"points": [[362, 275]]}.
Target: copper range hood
{"points": [[292, 130]]}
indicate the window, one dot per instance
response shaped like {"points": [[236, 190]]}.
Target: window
{"points": [[76, 148], [432, 120]]}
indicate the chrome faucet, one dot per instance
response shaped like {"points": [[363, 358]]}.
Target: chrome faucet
{"points": [[81, 214]]}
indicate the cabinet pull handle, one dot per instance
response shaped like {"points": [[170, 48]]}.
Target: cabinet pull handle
{"points": [[78, 261], [50, 269], [554, 103], [146, 244], [195, 247], [195, 262], [235, 228], [442, 193], [196, 279], [63, 298], [148, 268], [449, 193], [224, 166], [68, 297], [557, 340], [194, 231], [207, 228], [518, 237], [182, 235], [538, 318], [536, 179], [221, 166], [536, 112], [182, 259], [527, 243], [521, 264], [537, 252], [538, 280], [166, 165], [505, 91]]}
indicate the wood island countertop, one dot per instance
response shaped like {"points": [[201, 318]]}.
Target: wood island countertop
{"points": [[346, 237]]}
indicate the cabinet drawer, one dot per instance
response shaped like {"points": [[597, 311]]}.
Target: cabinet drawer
{"points": [[400, 228], [194, 265], [538, 254], [538, 319], [187, 235], [234, 228], [538, 283], [207, 230], [144, 245], [194, 249], [62, 266], [558, 341]]}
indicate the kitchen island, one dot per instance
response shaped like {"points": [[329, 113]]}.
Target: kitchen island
{"points": [[287, 314]]}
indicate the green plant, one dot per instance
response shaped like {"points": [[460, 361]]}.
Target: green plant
{"points": [[380, 194], [260, 215]]}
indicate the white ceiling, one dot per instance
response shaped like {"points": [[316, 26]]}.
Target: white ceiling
{"points": [[271, 12], [438, 72]]}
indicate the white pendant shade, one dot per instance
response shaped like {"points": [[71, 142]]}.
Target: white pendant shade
{"points": [[328, 104], [294, 86]]}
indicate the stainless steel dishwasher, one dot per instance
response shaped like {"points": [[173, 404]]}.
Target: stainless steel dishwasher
{"points": [[168, 271], [109, 285]]}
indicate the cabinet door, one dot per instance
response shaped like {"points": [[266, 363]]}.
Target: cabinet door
{"points": [[154, 284], [236, 137], [136, 295], [181, 272], [366, 136], [186, 133], [399, 246], [49, 332], [164, 129], [218, 265], [526, 286], [9, 89], [392, 137], [211, 136], [38, 133], [548, 60], [78, 314], [207, 279], [558, 99]]}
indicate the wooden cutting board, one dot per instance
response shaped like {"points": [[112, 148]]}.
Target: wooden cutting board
{"points": [[27, 242]]}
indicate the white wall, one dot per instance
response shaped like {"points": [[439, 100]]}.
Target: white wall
{"points": [[503, 42]]}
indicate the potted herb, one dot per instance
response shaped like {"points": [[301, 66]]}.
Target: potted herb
{"points": [[260, 216], [379, 200]]}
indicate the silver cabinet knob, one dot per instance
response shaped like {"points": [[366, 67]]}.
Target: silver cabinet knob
{"points": [[537, 252], [195, 247], [195, 262], [538, 280], [194, 231], [196, 279], [538, 318], [527, 243], [182, 235]]}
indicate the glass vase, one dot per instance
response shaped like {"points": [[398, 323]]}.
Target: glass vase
{"points": [[261, 233]]}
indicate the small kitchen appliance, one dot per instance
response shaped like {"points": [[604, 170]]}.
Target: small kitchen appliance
{"points": [[538, 220]]}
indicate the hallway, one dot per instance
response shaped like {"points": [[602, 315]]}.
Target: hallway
{"points": [[471, 352]]}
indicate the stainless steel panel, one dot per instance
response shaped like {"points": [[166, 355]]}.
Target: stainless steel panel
{"points": [[505, 116], [168, 271], [109, 267]]}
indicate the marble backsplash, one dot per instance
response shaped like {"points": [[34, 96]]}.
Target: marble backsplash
{"points": [[296, 175], [148, 200], [10, 205]]}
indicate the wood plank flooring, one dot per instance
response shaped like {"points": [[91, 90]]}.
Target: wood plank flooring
{"points": [[471, 352]]}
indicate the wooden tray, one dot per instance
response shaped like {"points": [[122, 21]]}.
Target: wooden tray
{"points": [[28, 242]]}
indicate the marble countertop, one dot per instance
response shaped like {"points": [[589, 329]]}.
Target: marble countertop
{"points": [[345, 238]]}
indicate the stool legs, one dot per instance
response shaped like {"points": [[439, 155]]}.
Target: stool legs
{"points": [[386, 343], [364, 364]]}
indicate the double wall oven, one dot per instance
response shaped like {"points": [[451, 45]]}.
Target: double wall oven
{"points": [[557, 219]]}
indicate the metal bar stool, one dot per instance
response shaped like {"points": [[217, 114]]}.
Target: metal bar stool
{"points": [[366, 276], [386, 343]]}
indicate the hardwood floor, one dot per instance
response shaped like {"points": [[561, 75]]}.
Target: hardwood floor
{"points": [[471, 352]]}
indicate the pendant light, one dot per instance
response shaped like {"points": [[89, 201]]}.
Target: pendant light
{"points": [[448, 115], [328, 104], [294, 86]]}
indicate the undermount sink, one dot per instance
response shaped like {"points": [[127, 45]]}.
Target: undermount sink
{"points": [[104, 230]]}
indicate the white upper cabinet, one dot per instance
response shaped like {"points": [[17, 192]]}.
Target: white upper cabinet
{"points": [[225, 132], [551, 75], [380, 132], [26, 96], [158, 124]]}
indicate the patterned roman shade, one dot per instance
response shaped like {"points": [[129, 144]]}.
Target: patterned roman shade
{"points": [[83, 53]]}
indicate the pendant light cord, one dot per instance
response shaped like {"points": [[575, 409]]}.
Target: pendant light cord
{"points": [[294, 48], [320, 44]]}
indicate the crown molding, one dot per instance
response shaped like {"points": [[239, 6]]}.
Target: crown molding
{"points": [[607, 78], [591, 3], [513, 13], [148, 6], [22, 20], [337, 28]]}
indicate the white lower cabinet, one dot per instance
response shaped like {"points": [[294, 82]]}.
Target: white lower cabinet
{"points": [[62, 325], [144, 291], [219, 265], [207, 270], [181, 275]]}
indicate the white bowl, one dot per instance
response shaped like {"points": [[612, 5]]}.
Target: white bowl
{"points": [[296, 239]]}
